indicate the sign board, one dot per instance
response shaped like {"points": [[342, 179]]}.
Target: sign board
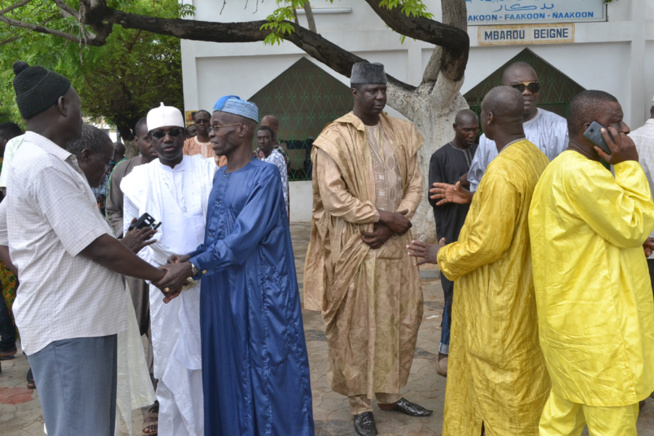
{"points": [[526, 34], [493, 12], [189, 117]]}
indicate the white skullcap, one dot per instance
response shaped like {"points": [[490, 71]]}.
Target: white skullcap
{"points": [[164, 116]]}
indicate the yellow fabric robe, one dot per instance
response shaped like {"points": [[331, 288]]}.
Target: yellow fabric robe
{"points": [[593, 291], [496, 370], [371, 300]]}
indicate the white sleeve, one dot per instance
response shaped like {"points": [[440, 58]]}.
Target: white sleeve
{"points": [[130, 211], [480, 162]]}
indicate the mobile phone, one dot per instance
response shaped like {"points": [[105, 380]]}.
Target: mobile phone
{"points": [[594, 134], [145, 220]]}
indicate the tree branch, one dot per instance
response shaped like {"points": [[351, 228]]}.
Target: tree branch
{"points": [[311, 22], [9, 40], [46, 30], [66, 10], [335, 57], [454, 40], [14, 6]]}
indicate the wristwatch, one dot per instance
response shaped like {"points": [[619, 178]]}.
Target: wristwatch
{"points": [[194, 270]]}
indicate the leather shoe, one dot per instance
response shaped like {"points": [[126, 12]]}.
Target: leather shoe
{"points": [[406, 407], [364, 424]]}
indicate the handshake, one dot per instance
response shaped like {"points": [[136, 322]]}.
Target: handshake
{"points": [[178, 273]]}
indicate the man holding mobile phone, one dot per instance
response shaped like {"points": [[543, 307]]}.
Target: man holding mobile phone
{"points": [[593, 293], [174, 189]]}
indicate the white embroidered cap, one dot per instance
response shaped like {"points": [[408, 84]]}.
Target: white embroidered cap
{"points": [[164, 116]]}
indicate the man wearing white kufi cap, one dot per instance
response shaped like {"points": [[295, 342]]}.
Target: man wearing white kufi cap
{"points": [[174, 190]]}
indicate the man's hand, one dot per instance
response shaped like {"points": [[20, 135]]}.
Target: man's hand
{"points": [[397, 222], [176, 275], [465, 183], [448, 193], [648, 246], [380, 234], [179, 258], [622, 147], [426, 253], [136, 239], [171, 295]]}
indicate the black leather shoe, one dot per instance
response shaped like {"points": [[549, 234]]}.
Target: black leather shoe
{"points": [[406, 407], [364, 424]]}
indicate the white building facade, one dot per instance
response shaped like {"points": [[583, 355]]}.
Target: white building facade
{"points": [[594, 45]]}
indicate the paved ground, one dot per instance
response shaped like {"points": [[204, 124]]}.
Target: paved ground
{"points": [[20, 413]]}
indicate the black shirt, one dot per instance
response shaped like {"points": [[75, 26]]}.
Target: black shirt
{"points": [[447, 165]]}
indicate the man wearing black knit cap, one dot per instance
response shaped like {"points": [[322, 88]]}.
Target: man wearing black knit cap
{"points": [[71, 302]]}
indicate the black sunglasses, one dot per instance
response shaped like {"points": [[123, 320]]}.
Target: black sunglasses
{"points": [[533, 87], [160, 134]]}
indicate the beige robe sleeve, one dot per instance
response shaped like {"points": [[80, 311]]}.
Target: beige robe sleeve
{"points": [[336, 200], [413, 193]]}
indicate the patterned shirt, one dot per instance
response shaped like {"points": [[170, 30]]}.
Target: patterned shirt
{"points": [[277, 159], [259, 154]]}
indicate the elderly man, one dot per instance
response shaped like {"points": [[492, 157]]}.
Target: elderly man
{"points": [[497, 378], [174, 190], [595, 306], [366, 187], [546, 130], [256, 370], [449, 164], [71, 302]]}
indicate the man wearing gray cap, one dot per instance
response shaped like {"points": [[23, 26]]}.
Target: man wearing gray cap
{"points": [[71, 302], [254, 356], [174, 190], [366, 187]]}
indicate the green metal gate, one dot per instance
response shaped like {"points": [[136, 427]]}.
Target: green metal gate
{"points": [[304, 98]]}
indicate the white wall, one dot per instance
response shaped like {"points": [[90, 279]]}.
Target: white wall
{"points": [[616, 56], [301, 197]]}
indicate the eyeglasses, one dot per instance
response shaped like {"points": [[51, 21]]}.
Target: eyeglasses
{"points": [[533, 87], [160, 134], [216, 128]]}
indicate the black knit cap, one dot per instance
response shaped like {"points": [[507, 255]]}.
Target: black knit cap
{"points": [[37, 88]]}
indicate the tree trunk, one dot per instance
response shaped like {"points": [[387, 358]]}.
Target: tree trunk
{"points": [[432, 108]]}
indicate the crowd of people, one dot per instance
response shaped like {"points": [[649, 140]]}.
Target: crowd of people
{"points": [[543, 248]]}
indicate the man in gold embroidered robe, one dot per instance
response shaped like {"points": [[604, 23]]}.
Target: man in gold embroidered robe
{"points": [[366, 187]]}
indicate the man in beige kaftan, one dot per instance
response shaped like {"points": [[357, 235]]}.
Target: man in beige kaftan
{"points": [[366, 187]]}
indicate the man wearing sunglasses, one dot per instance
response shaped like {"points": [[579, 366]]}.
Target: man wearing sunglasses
{"points": [[139, 289], [174, 189], [546, 130]]}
